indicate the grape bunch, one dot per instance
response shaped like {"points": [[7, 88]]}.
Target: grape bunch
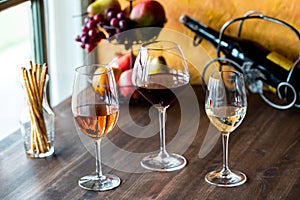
{"points": [[101, 27]]}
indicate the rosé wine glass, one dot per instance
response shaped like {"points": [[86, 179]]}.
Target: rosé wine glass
{"points": [[95, 108]]}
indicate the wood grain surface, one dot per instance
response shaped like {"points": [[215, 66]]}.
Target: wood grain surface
{"points": [[265, 147]]}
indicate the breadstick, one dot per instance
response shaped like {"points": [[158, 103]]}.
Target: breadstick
{"points": [[43, 79], [33, 108], [34, 81], [38, 74]]}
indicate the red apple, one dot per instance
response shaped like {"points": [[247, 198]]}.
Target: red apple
{"points": [[125, 85], [148, 13], [121, 62]]}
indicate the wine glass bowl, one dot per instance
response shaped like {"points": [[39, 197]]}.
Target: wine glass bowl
{"points": [[225, 106], [95, 108], [160, 73]]}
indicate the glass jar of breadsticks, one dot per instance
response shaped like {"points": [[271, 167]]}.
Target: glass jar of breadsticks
{"points": [[37, 118]]}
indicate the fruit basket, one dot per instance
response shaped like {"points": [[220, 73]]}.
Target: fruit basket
{"points": [[122, 67], [135, 36], [107, 21], [138, 22]]}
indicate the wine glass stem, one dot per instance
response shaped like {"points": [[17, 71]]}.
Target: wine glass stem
{"points": [[162, 131], [98, 159], [225, 138]]}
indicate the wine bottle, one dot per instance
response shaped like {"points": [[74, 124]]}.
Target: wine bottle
{"points": [[273, 67]]}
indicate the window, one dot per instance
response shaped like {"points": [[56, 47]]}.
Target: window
{"points": [[22, 39], [60, 23]]}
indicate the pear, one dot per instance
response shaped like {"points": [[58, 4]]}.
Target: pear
{"points": [[99, 7], [100, 79], [158, 65]]}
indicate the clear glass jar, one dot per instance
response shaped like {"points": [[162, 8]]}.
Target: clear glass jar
{"points": [[38, 143]]}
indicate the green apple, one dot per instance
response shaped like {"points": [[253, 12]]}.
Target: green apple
{"points": [[99, 7], [158, 65]]}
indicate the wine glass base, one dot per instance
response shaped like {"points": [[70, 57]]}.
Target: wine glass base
{"points": [[170, 163], [234, 178], [94, 183]]}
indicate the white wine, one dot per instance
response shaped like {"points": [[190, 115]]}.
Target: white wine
{"points": [[226, 118]]}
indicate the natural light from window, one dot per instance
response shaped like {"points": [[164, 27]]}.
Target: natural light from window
{"points": [[15, 52]]}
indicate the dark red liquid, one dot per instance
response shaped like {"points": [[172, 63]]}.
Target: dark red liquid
{"points": [[163, 89]]}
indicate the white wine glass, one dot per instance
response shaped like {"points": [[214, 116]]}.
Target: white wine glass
{"points": [[160, 73], [225, 106], [95, 109]]}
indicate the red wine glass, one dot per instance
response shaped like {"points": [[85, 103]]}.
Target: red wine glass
{"points": [[160, 73]]}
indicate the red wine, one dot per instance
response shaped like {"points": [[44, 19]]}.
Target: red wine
{"points": [[163, 88], [96, 120], [273, 68]]}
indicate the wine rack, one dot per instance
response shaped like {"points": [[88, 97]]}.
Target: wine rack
{"points": [[253, 84]]}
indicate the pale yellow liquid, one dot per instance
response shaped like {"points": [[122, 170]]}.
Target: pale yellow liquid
{"points": [[226, 118]]}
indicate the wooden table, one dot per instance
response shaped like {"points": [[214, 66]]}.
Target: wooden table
{"points": [[265, 147]]}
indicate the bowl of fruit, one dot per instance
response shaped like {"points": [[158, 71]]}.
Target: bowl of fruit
{"points": [[138, 22], [121, 65], [106, 20]]}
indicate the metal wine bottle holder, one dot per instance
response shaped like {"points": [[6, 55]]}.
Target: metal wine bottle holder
{"points": [[253, 84]]}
